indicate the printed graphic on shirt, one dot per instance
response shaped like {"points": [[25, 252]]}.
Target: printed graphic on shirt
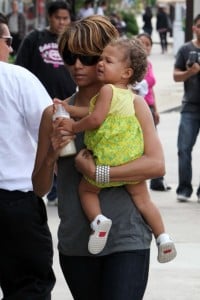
{"points": [[49, 53]]}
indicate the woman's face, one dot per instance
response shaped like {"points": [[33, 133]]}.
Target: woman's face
{"points": [[147, 44], [83, 75], [59, 20], [5, 47]]}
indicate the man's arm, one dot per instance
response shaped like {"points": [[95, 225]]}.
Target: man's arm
{"points": [[180, 75]]}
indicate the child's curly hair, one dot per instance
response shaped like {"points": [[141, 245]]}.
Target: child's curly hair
{"points": [[134, 54]]}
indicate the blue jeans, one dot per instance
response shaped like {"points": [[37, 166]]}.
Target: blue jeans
{"points": [[187, 135], [117, 276]]}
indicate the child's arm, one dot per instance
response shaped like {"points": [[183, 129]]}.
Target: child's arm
{"points": [[99, 114], [77, 112], [74, 111]]}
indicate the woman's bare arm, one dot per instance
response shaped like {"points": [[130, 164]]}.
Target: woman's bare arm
{"points": [[52, 137]]}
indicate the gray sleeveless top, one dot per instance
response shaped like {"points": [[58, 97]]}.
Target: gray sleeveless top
{"points": [[128, 232]]}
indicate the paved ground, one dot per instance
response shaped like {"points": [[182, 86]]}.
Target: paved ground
{"points": [[180, 279]]}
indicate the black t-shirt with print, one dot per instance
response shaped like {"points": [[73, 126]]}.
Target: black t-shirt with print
{"points": [[39, 54], [191, 97]]}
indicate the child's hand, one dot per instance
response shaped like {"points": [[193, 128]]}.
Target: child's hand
{"points": [[66, 106], [67, 124]]}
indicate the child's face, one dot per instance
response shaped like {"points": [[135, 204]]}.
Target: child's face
{"points": [[147, 44], [111, 65]]}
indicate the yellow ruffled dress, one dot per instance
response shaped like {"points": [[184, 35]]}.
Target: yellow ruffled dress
{"points": [[119, 139]]}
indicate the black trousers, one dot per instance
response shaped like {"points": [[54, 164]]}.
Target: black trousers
{"points": [[26, 251]]}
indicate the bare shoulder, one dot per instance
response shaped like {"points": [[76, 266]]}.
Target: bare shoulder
{"points": [[46, 121], [106, 88]]}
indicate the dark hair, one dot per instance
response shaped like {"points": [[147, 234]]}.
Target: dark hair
{"points": [[145, 34], [52, 7], [3, 20], [196, 19], [134, 54], [148, 11]]}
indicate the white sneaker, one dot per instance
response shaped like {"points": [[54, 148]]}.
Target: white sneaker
{"points": [[98, 238], [182, 198], [166, 248]]}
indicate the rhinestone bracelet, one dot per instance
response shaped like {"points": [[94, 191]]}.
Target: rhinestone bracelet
{"points": [[102, 174]]}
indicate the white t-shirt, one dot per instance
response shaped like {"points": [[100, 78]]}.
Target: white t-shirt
{"points": [[22, 101]]}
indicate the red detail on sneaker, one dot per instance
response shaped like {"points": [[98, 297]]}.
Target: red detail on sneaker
{"points": [[102, 233], [167, 251]]}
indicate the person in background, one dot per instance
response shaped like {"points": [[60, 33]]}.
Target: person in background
{"points": [[146, 89], [120, 271], [162, 27], [187, 70], [147, 19], [17, 26], [87, 9], [101, 7], [39, 54], [118, 22], [26, 251]]}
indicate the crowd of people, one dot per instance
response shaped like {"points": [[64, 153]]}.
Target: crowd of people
{"points": [[106, 215]]}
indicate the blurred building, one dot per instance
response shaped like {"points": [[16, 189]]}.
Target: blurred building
{"points": [[34, 11]]}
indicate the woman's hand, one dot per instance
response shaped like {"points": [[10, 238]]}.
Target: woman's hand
{"points": [[85, 164], [61, 134]]}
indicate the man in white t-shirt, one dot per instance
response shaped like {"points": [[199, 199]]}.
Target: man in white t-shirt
{"points": [[26, 245]]}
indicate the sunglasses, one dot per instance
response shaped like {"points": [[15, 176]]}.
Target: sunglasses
{"points": [[70, 59], [8, 40]]}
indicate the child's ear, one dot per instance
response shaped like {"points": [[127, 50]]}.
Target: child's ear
{"points": [[128, 73]]}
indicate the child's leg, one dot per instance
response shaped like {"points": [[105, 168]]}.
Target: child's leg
{"points": [[89, 199], [150, 212], [99, 223]]}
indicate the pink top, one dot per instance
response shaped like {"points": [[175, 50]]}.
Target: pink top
{"points": [[151, 81]]}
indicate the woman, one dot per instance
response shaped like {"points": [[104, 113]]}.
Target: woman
{"points": [[121, 270], [162, 27], [147, 19]]}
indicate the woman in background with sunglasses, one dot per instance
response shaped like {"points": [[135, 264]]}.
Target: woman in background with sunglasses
{"points": [[5, 40], [120, 271]]}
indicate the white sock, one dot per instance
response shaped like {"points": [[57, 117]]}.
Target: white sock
{"points": [[163, 238], [98, 218]]}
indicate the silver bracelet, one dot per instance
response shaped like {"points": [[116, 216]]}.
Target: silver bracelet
{"points": [[102, 174]]}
